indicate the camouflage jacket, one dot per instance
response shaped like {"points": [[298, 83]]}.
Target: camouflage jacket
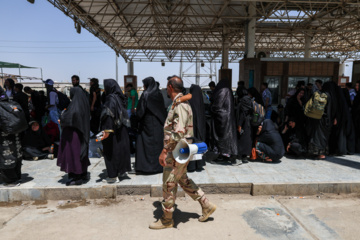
{"points": [[178, 124]]}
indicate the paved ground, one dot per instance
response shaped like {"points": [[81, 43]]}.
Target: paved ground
{"points": [[237, 217], [45, 173], [42, 180]]}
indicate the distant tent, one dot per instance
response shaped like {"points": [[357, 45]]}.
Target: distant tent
{"points": [[14, 65]]}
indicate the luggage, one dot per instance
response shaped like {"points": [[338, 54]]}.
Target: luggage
{"points": [[64, 101], [12, 118], [315, 107], [258, 114]]}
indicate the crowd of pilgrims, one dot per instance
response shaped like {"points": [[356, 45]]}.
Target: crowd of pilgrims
{"points": [[57, 127]]}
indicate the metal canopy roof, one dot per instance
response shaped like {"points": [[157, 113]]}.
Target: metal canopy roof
{"points": [[151, 30]]}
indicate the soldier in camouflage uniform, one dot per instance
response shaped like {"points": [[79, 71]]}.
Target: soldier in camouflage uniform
{"points": [[178, 125]]}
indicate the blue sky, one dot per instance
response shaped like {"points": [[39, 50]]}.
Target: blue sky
{"points": [[40, 35]]}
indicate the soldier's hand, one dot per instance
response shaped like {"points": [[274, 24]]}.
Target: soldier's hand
{"points": [[162, 158]]}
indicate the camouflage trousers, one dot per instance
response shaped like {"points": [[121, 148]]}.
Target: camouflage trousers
{"points": [[174, 174]]}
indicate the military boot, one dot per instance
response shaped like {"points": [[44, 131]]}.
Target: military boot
{"points": [[165, 221], [208, 208]]}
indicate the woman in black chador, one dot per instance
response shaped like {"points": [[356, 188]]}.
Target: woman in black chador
{"points": [[243, 115], [114, 123], [152, 115], [74, 143], [356, 120], [223, 123], [342, 139], [199, 119]]}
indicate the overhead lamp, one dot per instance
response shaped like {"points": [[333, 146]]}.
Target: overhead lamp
{"points": [[202, 63], [162, 63], [31, 1], [78, 27]]}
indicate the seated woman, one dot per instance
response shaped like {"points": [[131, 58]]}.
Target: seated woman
{"points": [[36, 143], [294, 138], [269, 146]]}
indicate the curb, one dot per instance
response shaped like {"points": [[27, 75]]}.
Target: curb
{"points": [[111, 191]]}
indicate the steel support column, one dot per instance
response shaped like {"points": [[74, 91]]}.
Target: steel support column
{"points": [[250, 30], [307, 46]]}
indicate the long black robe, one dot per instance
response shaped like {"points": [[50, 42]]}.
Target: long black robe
{"points": [[294, 110], [342, 139], [356, 120], [152, 115], [199, 123], [73, 155], [270, 142], [11, 154], [243, 114], [77, 115], [116, 148], [318, 130], [223, 120]]}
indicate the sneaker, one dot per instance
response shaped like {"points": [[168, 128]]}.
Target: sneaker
{"points": [[35, 158], [50, 156], [236, 162], [111, 180]]}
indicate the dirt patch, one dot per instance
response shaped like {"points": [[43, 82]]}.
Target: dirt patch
{"points": [[68, 205], [83, 202], [50, 211], [11, 204], [108, 202], [40, 202]]}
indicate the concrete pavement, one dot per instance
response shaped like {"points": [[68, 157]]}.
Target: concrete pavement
{"points": [[42, 180], [237, 217]]}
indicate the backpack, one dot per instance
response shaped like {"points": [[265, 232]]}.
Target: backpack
{"points": [[64, 101], [258, 114], [12, 118], [315, 107]]}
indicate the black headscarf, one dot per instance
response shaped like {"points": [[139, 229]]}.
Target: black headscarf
{"points": [[267, 131], [255, 94], [115, 100], [198, 109], [77, 115], [151, 99]]}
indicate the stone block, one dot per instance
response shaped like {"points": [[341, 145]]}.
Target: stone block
{"points": [[99, 192], [302, 189], [64, 193], [355, 187], [4, 195], [326, 187], [26, 194], [268, 189], [342, 188], [133, 190]]}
